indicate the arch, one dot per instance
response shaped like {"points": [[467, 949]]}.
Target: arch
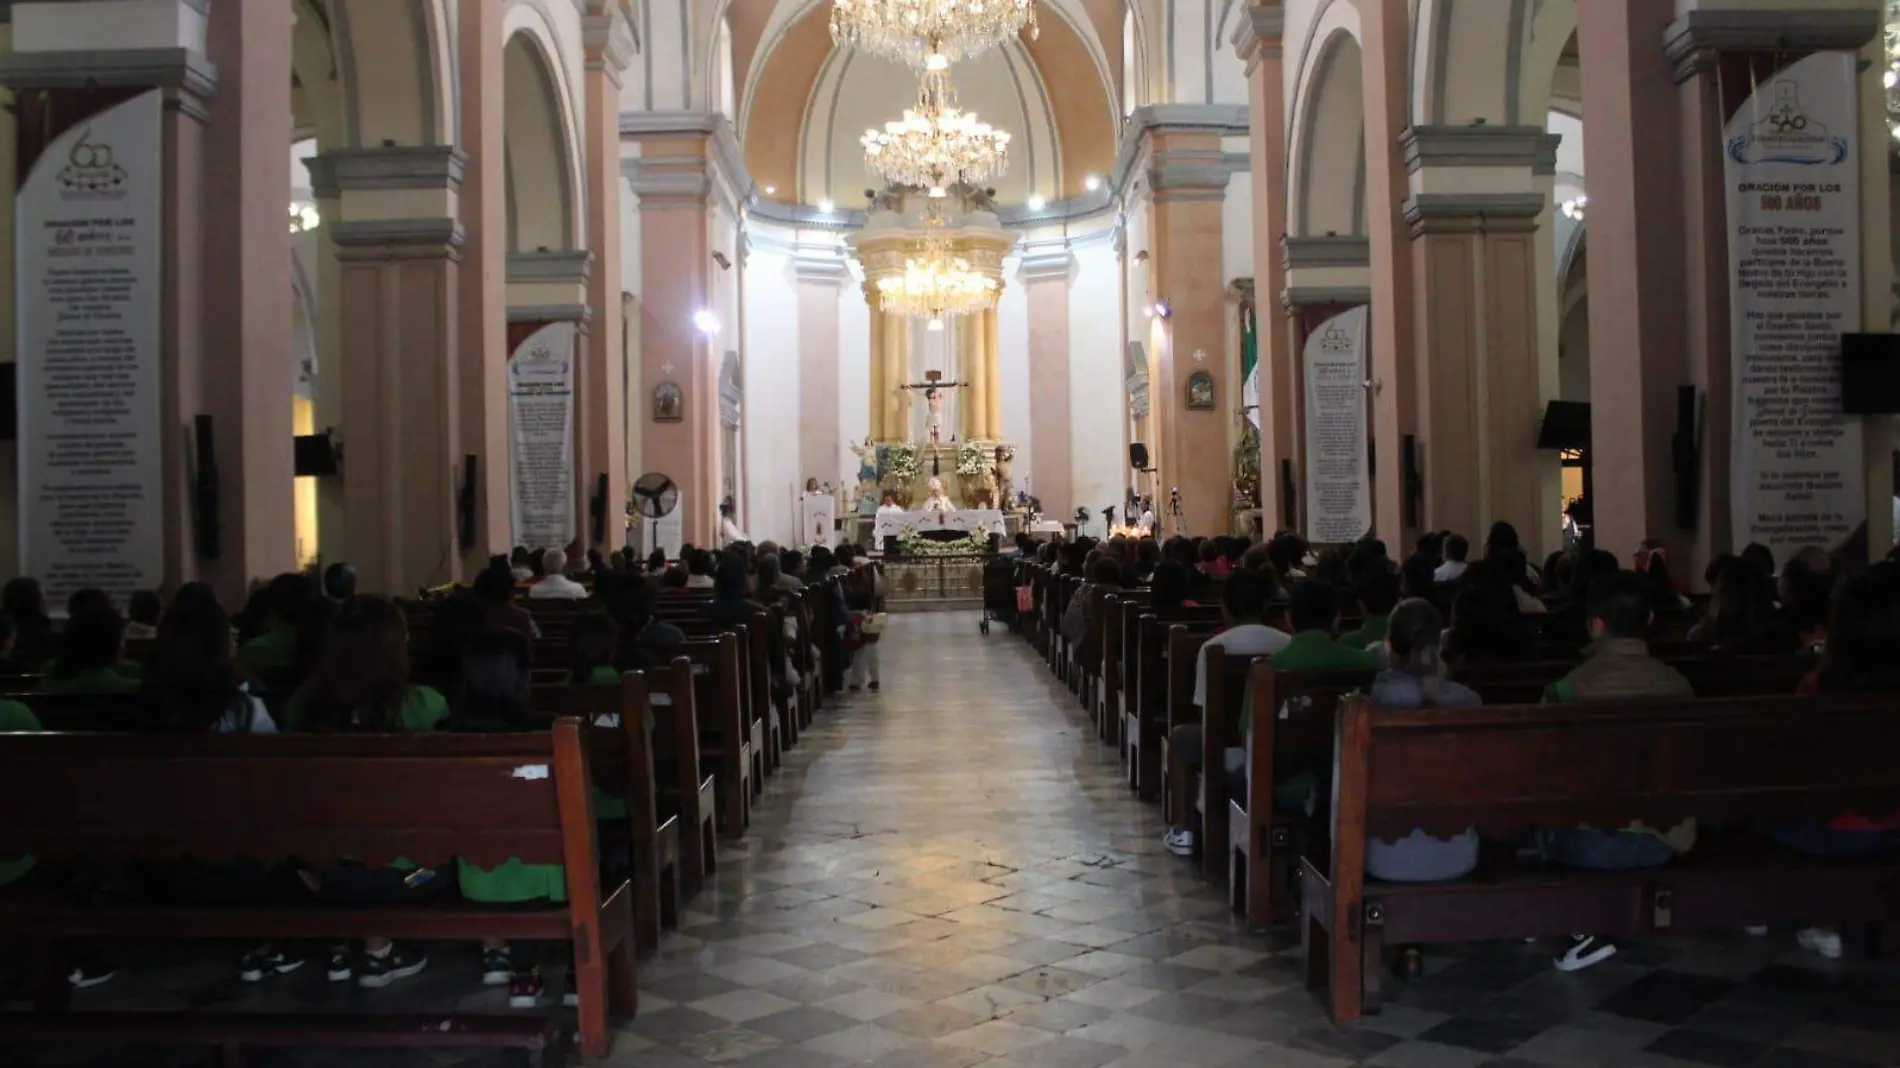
{"points": [[1328, 136], [316, 93], [1467, 61], [394, 63], [1550, 43], [542, 173]]}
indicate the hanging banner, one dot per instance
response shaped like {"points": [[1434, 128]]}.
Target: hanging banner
{"points": [[1338, 483], [88, 223], [541, 438], [1792, 166]]}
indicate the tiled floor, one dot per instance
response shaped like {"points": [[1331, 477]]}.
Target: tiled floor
{"points": [[951, 873]]}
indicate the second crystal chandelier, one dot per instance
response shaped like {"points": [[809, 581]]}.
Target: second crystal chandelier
{"points": [[936, 145], [913, 31]]}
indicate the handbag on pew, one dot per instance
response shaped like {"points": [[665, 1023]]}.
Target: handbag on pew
{"points": [[1025, 599]]}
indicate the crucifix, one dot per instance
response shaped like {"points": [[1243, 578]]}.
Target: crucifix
{"points": [[932, 387]]}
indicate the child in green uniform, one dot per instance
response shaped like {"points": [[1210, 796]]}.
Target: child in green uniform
{"points": [[90, 655], [493, 698], [361, 685], [594, 644]]}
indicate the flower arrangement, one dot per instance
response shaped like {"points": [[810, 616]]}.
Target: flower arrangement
{"points": [[916, 546], [902, 462], [978, 458]]}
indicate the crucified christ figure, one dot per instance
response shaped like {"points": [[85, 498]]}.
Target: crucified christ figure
{"points": [[933, 387]]}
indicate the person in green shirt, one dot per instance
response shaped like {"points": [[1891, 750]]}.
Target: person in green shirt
{"points": [[90, 654], [594, 643], [1313, 609], [1377, 592], [272, 653], [361, 685], [493, 698], [16, 718]]}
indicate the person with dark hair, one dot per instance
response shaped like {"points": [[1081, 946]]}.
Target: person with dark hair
{"points": [[765, 579], [1416, 577], [1313, 610], [339, 581], [362, 686], [495, 589], [1556, 575], [1287, 552], [1147, 558], [791, 570], [593, 646], [1568, 620], [1503, 536], [1617, 667], [25, 603], [1806, 592], [1652, 562], [1431, 546], [1486, 628], [1377, 592], [699, 569], [89, 599], [1101, 573], [1169, 590], [91, 656], [519, 566], [1456, 549], [142, 612], [1415, 678], [1761, 556], [732, 603], [438, 663], [8, 635], [656, 561], [272, 653], [192, 684], [1742, 612], [1244, 601]]}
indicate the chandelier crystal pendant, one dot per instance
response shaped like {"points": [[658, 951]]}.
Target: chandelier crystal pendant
{"points": [[936, 145], [913, 31], [936, 282]]}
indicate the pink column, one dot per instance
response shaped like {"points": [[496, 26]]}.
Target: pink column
{"points": [[1633, 156], [483, 359], [1045, 282], [672, 183], [249, 376], [1387, 40], [602, 402], [1258, 40], [819, 281]]}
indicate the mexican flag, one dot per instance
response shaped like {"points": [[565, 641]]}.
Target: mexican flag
{"points": [[1249, 364]]}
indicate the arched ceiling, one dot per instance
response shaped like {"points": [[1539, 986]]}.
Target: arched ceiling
{"points": [[804, 104]]}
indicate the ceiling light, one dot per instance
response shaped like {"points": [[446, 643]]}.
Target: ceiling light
{"points": [[936, 324], [1092, 182], [826, 206], [1037, 203], [707, 322], [919, 33], [771, 190], [938, 192], [937, 280]]}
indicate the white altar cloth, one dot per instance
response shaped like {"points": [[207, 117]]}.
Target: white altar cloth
{"points": [[966, 520]]}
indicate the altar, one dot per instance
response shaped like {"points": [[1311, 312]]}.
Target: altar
{"points": [[967, 521]]}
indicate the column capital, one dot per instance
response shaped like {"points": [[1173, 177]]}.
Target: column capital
{"points": [[187, 76], [388, 167], [821, 268], [608, 38], [398, 239], [1327, 251], [1258, 34], [567, 266], [1293, 298], [1193, 174], [553, 283], [1479, 146], [550, 313], [1464, 213], [1046, 262], [1691, 42]]}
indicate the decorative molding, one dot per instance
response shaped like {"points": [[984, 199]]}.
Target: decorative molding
{"points": [[820, 266], [426, 236], [569, 266], [1692, 41], [1328, 251], [165, 68], [805, 217], [607, 37], [1479, 146], [724, 155], [1045, 261], [550, 313], [1258, 34], [1474, 212], [1292, 298], [1221, 120], [389, 167]]}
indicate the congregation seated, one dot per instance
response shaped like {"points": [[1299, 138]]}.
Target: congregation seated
{"points": [[555, 585], [268, 626], [92, 655], [24, 602]]}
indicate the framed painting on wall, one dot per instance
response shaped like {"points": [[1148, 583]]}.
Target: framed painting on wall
{"points": [[669, 405]]}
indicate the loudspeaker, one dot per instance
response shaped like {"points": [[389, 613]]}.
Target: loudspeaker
{"points": [[1685, 448], [204, 492], [597, 508], [1289, 495], [1412, 486], [890, 547], [1138, 456], [465, 505]]}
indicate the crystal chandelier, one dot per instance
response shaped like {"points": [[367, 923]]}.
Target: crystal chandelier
{"points": [[1891, 77], [936, 144], [912, 31], [936, 282]]}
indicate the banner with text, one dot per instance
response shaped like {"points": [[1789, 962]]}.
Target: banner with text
{"points": [[88, 223], [1792, 162], [541, 438], [1338, 485]]}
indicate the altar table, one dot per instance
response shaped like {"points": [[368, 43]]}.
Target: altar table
{"points": [[966, 520]]}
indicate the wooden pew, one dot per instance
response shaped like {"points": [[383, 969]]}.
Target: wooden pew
{"points": [[432, 798], [1178, 710], [1145, 723], [1227, 677], [1505, 768], [725, 737]]}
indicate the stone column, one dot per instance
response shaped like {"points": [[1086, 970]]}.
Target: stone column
{"points": [[992, 377], [977, 363], [1386, 41], [673, 179], [895, 403], [820, 280], [879, 387], [327, 386], [1257, 38], [482, 363], [399, 240], [1478, 305], [1189, 181], [1044, 276], [543, 288], [601, 404]]}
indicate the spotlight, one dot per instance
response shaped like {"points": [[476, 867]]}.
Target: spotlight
{"points": [[771, 190], [707, 322], [1162, 309], [1037, 203], [826, 206], [1092, 182]]}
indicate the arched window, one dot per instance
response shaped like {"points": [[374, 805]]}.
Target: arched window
{"points": [[1129, 96], [723, 76]]}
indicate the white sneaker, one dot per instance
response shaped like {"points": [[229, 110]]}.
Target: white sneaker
{"points": [[1584, 951], [1821, 940], [1759, 930], [1180, 842]]}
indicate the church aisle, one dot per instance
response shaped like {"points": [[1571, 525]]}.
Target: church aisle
{"points": [[952, 873]]}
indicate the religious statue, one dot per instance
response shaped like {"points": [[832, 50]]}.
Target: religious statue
{"points": [[867, 460], [933, 386], [1003, 457], [938, 501]]}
